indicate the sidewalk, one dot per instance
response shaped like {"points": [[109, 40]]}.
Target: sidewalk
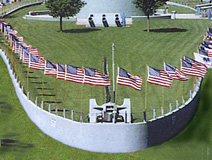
{"points": [[187, 16]]}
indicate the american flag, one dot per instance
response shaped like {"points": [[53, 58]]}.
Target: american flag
{"points": [[205, 49], [207, 42], [16, 47], [26, 45], [36, 62], [94, 77], [203, 52], [74, 74], [174, 72], [7, 29], [209, 34], [50, 68], [189, 69], [14, 32], [60, 71], [34, 51], [23, 49], [203, 59], [25, 57], [126, 79], [158, 77], [201, 66], [20, 39]]}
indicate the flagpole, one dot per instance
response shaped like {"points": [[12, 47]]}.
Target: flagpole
{"points": [[28, 80], [179, 85], [113, 66], [13, 58], [64, 90], [22, 69], [19, 68], [183, 89], [192, 76], [163, 100], [115, 108], [56, 88], [146, 90], [42, 88], [82, 94], [179, 91]]}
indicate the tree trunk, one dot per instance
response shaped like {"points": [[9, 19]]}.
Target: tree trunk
{"points": [[61, 24], [148, 23]]}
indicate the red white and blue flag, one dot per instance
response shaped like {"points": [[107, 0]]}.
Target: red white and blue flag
{"points": [[204, 52], [74, 74], [60, 71], [36, 62], [158, 77], [25, 57], [201, 66], [203, 59], [94, 77], [174, 72], [189, 69], [50, 68], [34, 51], [127, 79]]}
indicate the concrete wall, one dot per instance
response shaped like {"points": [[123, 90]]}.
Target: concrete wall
{"points": [[21, 7], [109, 6], [165, 128], [112, 138]]}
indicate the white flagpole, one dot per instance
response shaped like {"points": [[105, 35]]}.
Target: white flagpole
{"points": [[113, 66]]}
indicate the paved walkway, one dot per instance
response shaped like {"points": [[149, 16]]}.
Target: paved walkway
{"points": [[187, 16]]}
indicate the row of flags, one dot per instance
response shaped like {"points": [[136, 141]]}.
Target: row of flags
{"points": [[91, 76], [204, 53]]}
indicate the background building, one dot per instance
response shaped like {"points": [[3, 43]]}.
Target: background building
{"points": [[109, 6]]}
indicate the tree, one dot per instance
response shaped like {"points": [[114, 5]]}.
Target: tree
{"points": [[64, 8], [149, 7]]}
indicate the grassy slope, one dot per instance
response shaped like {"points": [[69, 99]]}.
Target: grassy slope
{"points": [[129, 42], [180, 10]]}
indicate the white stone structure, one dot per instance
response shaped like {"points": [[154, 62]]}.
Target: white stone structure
{"points": [[109, 6]]}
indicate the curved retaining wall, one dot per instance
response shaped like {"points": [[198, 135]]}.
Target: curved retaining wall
{"points": [[164, 128], [21, 7], [109, 6], [109, 138]]}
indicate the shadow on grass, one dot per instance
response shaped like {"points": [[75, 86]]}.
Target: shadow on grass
{"points": [[51, 102], [85, 30], [167, 30], [49, 95], [10, 16], [10, 142], [39, 82], [199, 128], [45, 88], [4, 106]]}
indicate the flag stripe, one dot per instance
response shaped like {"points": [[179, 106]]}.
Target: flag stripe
{"points": [[126, 79], [158, 77], [94, 77]]}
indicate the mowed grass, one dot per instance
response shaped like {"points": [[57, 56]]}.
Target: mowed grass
{"points": [[179, 10], [134, 50], [10, 6]]}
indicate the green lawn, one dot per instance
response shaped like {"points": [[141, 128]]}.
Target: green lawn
{"points": [[191, 3], [180, 10], [11, 6], [82, 46]]}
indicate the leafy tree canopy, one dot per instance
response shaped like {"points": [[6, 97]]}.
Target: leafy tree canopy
{"points": [[64, 8], [149, 6]]}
